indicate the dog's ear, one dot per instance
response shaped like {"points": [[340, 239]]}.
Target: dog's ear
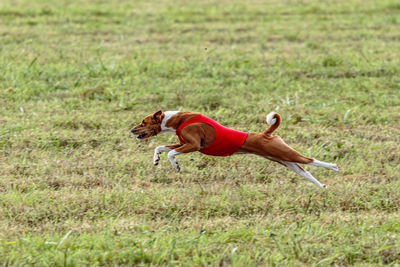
{"points": [[157, 116]]}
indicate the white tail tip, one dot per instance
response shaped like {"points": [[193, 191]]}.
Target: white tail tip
{"points": [[270, 118]]}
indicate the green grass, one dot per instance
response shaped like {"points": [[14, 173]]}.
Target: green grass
{"points": [[76, 75]]}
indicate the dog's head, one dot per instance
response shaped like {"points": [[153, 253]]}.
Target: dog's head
{"points": [[150, 126]]}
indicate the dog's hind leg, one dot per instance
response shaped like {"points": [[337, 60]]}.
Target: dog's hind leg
{"points": [[280, 150], [300, 171], [330, 166]]}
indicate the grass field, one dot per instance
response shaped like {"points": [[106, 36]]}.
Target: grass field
{"points": [[76, 75]]}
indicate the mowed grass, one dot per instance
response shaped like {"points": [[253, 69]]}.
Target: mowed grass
{"points": [[76, 75]]}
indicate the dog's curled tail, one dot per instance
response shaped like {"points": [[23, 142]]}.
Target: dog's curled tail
{"points": [[273, 119]]}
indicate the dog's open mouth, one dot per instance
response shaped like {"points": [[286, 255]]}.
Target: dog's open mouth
{"points": [[140, 136]]}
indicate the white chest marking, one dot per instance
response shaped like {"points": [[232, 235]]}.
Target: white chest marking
{"points": [[167, 116]]}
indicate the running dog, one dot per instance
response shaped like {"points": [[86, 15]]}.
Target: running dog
{"points": [[197, 132]]}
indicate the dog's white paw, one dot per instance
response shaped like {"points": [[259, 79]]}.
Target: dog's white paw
{"points": [[171, 156], [334, 167], [156, 158], [176, 166]]}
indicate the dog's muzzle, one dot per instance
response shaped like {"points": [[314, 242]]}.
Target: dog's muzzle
{"points": [[140, 136]]}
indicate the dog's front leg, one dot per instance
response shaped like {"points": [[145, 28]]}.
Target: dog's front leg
{"points": [[186, 148], [161, 149], [171, 157], [191, 134]]}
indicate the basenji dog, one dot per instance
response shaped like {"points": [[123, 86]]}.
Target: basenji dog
{"points": [[200, 133]]}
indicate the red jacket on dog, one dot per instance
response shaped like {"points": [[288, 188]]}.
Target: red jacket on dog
{"points": [[226, 143]]}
